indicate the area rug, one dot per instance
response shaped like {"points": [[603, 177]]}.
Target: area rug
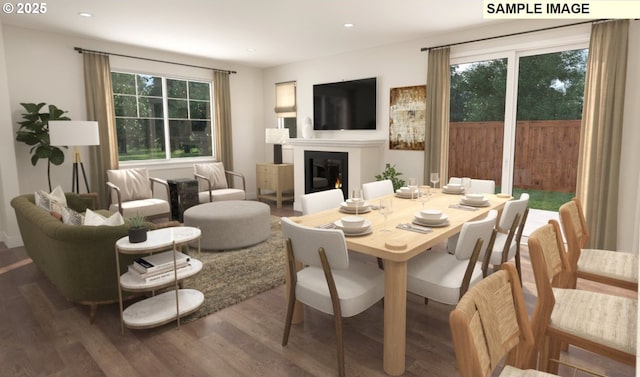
{"points": [[231, 276]]}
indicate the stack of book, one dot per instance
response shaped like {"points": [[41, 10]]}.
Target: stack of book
{"points": [[159, 266]]}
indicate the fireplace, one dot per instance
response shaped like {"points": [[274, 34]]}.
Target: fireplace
{"points": [[326, 171]]}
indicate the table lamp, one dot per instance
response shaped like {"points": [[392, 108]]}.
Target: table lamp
{"points": [[277, 137], [74, 133]]}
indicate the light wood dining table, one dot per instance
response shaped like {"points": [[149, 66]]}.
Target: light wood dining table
{"points": [[395, 247]]}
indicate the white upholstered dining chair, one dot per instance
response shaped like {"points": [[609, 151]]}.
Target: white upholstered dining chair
{"points": [[443, 277], [321, 200], [509, 233], [375, 189], [482, 186], [329, 281], [132, 193]]}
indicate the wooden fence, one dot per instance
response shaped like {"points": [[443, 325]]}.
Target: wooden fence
{"points": [[546, 153]]}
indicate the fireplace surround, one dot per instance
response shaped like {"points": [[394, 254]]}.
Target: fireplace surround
{"points": [[363, 161]]}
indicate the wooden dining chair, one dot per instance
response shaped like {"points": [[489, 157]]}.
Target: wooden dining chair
{"points": [[610, 267], [321, 200], [600, 323], [375, 189], [509, 233], [489, 324], [329, 281], [443, 277]]}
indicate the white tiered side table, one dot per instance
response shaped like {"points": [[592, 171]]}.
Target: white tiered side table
{"points": [[168, 306]]}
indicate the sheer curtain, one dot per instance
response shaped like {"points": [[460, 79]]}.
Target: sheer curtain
{"points": [[100, 108], [436, 151], [222, 122], [601, 136]]}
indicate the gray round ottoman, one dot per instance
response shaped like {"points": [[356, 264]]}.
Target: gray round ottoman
{"points": [[230, 224]]}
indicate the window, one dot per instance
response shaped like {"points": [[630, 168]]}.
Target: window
{"points": [[515, 119], [160, 118], [286, 106]]}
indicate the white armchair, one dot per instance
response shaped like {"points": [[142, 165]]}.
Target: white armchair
{"points": [[132, 193], [213, 183]]}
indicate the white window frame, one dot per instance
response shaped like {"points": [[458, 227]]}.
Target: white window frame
{"points": [[182, 161]]}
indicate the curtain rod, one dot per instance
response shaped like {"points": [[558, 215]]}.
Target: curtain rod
{"points": [[81, 50], [508, 35]]}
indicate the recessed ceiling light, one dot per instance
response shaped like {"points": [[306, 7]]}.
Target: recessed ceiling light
{"points": [[85, 14], [349, 25], [251, 49]]}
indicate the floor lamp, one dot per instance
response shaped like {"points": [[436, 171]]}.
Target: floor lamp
{"points": [[74, 133], [277, 137]]}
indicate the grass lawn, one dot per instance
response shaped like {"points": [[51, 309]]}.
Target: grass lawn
{"points": [[547, 200]]}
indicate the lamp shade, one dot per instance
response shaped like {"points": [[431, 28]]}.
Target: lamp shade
{"points": [[73, 132], [276, 135]]}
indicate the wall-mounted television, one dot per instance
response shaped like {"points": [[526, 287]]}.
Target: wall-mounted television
{"points": [[345, 105]]}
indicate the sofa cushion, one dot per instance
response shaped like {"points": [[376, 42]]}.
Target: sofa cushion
{"points": [[214, 171], [134, 184], [95, 219]]}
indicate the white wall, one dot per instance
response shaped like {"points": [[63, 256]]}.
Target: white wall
{"points": [[43, 67], [9, 187], [405, 65]]}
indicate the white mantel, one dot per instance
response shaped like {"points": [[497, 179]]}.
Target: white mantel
{"points": [[364, 160]]}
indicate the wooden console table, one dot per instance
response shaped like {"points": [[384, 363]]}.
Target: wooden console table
{"points": [[276, 180]]}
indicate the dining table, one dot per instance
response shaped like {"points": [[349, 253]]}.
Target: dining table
{"points": [[395, 243]]}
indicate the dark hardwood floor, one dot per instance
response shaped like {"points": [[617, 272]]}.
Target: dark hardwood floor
{"points": [[44, 335]]}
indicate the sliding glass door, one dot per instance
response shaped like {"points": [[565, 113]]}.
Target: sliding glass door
{"points": [[515, 119]]}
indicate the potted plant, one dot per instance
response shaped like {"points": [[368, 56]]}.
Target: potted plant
{"points": [[392, 174], [137, 231], [34, 131]]}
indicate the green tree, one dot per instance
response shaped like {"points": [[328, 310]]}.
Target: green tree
{"points": [[551, 86]]}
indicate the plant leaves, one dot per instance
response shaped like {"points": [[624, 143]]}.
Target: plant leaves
{"points": [[56, 156]]}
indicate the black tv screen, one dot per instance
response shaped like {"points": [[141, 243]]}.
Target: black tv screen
{"points": [[345, 105]]}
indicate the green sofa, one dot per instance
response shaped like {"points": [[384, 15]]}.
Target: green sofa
{"points": [[79, 260]]}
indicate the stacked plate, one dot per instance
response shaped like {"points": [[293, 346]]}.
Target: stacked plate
{"points": [[353, 225], [453, 189], [474, 200], [350, 207], [405, 193], [421, 218]]}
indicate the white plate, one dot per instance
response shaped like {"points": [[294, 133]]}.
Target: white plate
{"points": [[423, 222], [455, 191], [474, 203], [344, 207], [363, 233], [443, 218], [352, 229], [476, 199], [406, 195]]}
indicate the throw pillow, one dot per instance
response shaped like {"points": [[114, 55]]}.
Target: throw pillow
{"points": [[51, 202], [95, 219], [71, 217], [216, 174]]}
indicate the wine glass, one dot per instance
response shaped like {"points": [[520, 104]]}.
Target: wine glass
{"points": [[435, 178], [356, 198], [466, 183], [413, 186], [386, 208], [423, 194]]}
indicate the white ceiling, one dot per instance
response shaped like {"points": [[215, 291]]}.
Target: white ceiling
{"points": [[280, 31]]}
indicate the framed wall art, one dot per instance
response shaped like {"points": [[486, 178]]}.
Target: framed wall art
{"points": [[407, 108]]}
